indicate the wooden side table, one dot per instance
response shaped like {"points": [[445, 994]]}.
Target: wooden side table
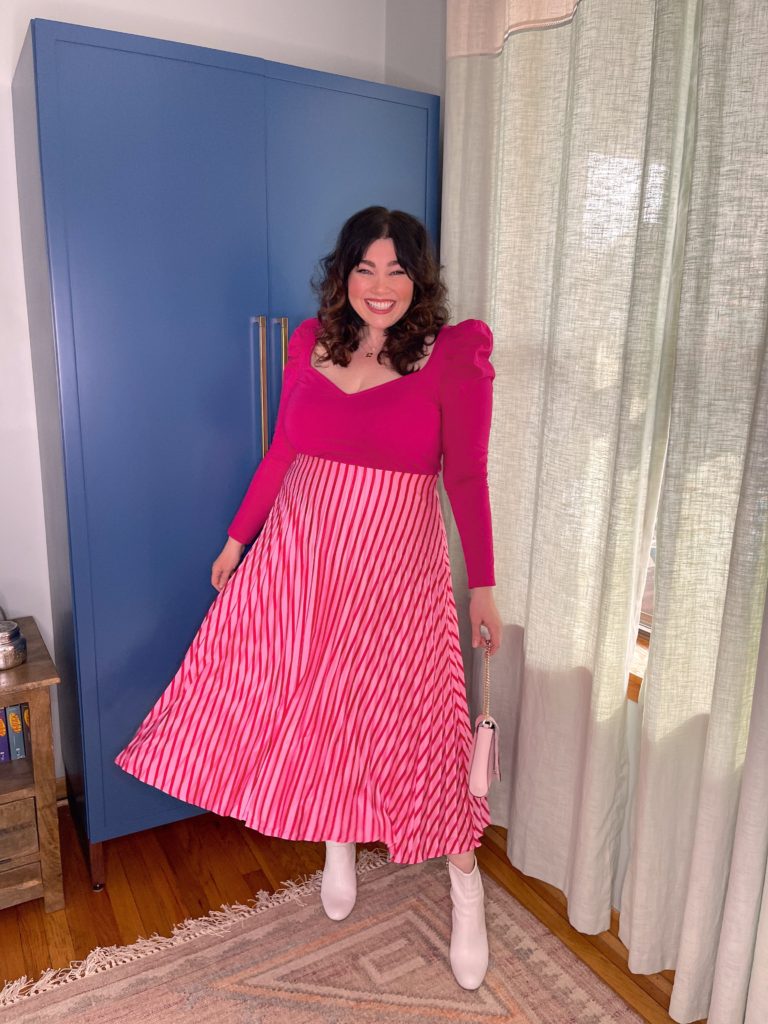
{"points": [[30, 855]]}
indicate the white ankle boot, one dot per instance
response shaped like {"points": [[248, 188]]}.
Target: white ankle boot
{"points": [[338, 889], [469, 939]]}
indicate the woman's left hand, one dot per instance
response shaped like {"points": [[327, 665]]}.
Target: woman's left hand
{"points": [[483, 612]]}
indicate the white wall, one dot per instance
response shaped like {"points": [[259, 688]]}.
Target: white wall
{"points": [[415, 53], [401, 42]]}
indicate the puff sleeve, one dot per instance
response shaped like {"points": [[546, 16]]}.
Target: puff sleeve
{"points": [[466, 406], [266, 481]]}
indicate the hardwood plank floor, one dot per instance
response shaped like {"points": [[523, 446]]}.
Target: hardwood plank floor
{"points": [[157, 878], [605, 954]]}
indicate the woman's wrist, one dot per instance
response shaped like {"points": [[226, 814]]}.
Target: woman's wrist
{"points": [[234, 545]]}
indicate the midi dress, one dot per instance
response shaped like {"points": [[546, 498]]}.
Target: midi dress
{"points": [[331, 658]]}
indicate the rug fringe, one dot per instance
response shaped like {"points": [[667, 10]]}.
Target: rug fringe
{"points": [[102, 958]]}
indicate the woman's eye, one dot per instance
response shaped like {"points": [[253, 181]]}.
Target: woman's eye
{"points": [[393, 273]]}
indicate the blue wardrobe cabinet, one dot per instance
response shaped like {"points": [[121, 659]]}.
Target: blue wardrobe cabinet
{"points": [[174, 202]]}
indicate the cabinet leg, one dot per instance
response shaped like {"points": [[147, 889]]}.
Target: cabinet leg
{"points": [[96, 865], [45, 800], [53, 900]]}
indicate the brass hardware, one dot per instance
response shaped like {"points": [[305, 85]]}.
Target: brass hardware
{"points": [[261, 323], [284, 340], [264, 397]]}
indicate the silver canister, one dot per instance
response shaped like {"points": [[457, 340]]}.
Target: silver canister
{"points": [[13, 646]]}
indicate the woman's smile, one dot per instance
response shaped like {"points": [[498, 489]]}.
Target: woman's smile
{"points": [[379, 290], [378, 306]]}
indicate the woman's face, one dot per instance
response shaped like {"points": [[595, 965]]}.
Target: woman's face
{"points": [[378, 288]]}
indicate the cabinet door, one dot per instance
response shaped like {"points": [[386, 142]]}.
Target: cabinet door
{"points": [[336, 145], [153, 165]]}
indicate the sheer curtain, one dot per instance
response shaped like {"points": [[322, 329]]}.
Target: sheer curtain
{"points": [[604, 210], [740, 990], [712, 550], [564, 176]]}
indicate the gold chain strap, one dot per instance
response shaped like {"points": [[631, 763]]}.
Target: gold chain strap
{"points": [[487, 682]]}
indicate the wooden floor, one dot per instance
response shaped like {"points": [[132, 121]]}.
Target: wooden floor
{"points": [[605, 954], [159, 877]]}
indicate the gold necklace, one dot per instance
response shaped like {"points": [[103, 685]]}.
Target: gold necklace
{"points": [[373, 351]]}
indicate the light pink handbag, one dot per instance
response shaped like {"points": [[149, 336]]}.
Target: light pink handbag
{"points": [[484, 758]]}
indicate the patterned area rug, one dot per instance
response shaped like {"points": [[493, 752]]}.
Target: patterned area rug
{"points": [[280, 960]]}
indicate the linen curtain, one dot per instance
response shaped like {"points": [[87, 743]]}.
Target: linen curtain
{"points": [[712, 532], [601, 163], [563, 176], [741, 969]]}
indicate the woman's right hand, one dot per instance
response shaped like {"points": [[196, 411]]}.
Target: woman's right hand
{"points": [[226, 563]]}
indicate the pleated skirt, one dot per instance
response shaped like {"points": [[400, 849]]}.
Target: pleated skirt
{"points": [[323, 696]]}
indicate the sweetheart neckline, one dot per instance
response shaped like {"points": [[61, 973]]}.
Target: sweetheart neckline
{"points": [[374, 387]]}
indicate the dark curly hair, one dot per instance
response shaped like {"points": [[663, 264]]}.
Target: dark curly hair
{"points": [[340, 324]]}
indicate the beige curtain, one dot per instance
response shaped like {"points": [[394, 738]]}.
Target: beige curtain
{"points": [[576, 139], [712, 551], [564, 177], [740, 990]]}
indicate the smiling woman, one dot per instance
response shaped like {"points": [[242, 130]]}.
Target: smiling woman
{"points": [[378, 287], [332, 650], [380, 292], [380, 270], [378, 273]]}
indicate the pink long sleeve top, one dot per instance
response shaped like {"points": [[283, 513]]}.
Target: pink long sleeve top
{"points": [[438, 417]]}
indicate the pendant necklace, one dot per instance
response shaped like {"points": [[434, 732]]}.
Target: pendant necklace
{"points": [[372, 352]]}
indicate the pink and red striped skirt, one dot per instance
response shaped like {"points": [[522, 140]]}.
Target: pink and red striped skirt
{"points": [[332, 662]]}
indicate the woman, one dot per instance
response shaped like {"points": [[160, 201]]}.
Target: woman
{"points": [[330, 656]]}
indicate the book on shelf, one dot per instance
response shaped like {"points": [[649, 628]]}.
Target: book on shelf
{"points": [[26, 727], [15, 731], [5, 746]]}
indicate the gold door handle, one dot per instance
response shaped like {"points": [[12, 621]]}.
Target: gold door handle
{"points": [[283, 340], [263, 369], [260, 359]]}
